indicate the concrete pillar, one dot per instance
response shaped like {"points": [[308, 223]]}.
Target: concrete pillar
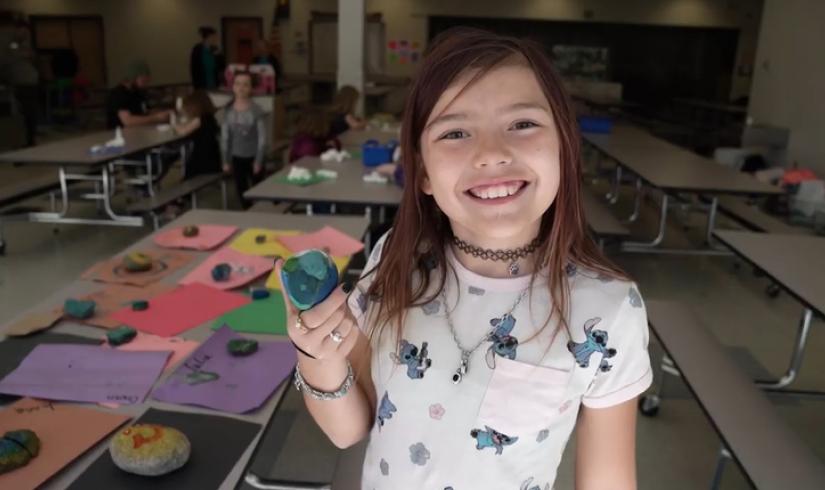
{"points": [[351, 29]]}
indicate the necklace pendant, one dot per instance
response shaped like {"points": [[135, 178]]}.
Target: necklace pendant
{"points": [[513, 269], [462, 368]]}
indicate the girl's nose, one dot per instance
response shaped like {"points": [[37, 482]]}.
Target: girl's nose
{"points": [[491, 152]]}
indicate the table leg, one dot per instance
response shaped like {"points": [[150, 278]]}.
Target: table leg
{"points": [[796, 356], [660, 236], [637, 202], [714, 205], [104, 196], [224, 196], [724, 457], [613, 196]]}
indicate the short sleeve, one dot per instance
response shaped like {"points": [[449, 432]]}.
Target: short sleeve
{"points": [[626, 373], [359, 299]]}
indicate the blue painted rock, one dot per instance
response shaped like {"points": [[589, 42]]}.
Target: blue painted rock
{"points": [[221, 272], [17, 448], [308, 278], [121, 335], [81, 309], [137, 262], [149, 449], [260, 293]]}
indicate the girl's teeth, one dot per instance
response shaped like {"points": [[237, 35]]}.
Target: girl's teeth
{"points": [[497, 191]]}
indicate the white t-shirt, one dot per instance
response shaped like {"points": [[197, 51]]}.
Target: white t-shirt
{"points": [[505, 425]]}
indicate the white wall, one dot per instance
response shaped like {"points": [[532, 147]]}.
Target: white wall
{"points": [[789, 78]]}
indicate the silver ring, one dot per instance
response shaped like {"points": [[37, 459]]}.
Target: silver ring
{"points": [[336, 336], [300, 325]]}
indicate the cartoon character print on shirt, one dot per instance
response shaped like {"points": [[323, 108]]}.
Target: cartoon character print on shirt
{"points": [[634, 297], [595, 343], [385, 410], [504, 344], [491, 438], [528, 485], [416, 360]]}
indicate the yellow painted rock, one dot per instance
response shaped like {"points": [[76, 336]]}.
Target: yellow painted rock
{"points": [[149, 449], [137, 262]]}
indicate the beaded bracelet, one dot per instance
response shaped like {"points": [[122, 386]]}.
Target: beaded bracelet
{"points": [[303, 386]]}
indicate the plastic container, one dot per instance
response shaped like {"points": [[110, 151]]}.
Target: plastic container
{"points": [[374, 153], [596, 124]]}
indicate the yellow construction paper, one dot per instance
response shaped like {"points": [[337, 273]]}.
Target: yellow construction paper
{"points": [[245, 242], [274, 281]]}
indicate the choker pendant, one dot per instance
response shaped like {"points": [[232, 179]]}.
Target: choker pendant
{"points": [[513, 269]]}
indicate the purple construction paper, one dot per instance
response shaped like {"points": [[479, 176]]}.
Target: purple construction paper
{"points": [[85, 373], [243, 383]]}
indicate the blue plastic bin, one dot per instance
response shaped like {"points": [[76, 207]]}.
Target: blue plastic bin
{"points": [[595, 124], [374, 153]]}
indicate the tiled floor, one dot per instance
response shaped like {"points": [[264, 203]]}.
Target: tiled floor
{"points": [[676, 450]]}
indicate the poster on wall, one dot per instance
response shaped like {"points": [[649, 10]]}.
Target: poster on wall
{"points": [[581, 62], [403, 52]]}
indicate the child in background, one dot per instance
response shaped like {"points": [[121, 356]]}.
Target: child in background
{"points": [[342, 116], [310, 137], [202, 130], [243, 137], [487, 324]]}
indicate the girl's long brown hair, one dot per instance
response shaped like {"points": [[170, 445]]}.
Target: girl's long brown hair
{"points": [[421, 232]]}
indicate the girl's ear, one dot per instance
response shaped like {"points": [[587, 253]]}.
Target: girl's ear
{"points": [[426, 185]]}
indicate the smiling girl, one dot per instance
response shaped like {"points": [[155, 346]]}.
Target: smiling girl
{"points": [[487, 324]]}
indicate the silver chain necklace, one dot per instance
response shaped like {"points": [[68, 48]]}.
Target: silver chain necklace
{"points": [[511, 255], [467, 353]]}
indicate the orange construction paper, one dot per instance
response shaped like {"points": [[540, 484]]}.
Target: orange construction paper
{"points": [[164, 263], [34, 322], [208, 237], [65, 432]]}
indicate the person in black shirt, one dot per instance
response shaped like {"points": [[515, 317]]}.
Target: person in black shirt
{"points": [[127, 105], [264, 56], [341, 114], [203, 131], [206, 64]]}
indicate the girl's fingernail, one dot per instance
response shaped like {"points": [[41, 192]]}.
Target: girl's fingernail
{"points": [[347, 287]]}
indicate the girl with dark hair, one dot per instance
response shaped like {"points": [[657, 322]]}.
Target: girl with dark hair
{"points": [[342, 112], [203, 132], [487, 324]]}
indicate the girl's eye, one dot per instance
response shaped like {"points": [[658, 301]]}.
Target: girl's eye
{"points": [[454, 135], [524, 125]]}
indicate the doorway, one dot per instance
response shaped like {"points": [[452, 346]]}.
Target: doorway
{"points": [[239, 37]]}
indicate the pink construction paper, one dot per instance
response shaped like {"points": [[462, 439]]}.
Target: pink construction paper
{"points": [[180, 348], [336, 243], [245, 269], [181, 309], [209, 237]]}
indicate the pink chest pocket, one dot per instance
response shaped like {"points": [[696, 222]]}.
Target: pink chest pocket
{"points": [[522, 398]]}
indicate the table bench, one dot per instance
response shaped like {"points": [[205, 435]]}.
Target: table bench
{"points": [[188, 188], [754, 436]]}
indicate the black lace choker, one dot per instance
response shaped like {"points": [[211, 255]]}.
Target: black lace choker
{"points": [[512, 255]]}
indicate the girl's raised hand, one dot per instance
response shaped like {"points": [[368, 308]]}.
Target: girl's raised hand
{"points": [[327, 331]]}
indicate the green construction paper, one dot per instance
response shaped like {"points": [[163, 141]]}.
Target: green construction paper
{"points": [[282, 179], [264, 316]]}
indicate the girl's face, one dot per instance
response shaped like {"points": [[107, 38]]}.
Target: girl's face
{"points": [[242, 87], [491, 156]]}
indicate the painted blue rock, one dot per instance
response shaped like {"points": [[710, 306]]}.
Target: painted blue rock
{"points": [[309, 277]]}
